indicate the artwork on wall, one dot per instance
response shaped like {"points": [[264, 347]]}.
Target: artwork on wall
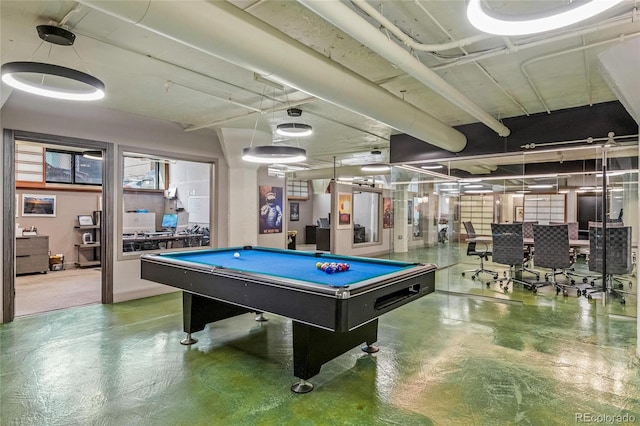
{"points": [[409, 212], [344, 209], [518, 215], [38, 205], [270, 214], [387, 212], [85, 220], [294, 212]]}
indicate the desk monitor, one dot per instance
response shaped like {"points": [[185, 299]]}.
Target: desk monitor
{"points": [[170, 221]]}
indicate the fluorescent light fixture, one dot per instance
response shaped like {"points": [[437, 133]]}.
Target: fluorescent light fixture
{"points": [[294, 130], [540, 186], [449, 183], [587, 188], [479, 191], [269, 154], [432, 167], [30, 76], [346, 179], [475, 185], [471, 180], [609, 174], [375, 168], [93, 155], [534, 23]]}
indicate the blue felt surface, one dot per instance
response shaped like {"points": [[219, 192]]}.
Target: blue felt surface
{"points": [[291, 264]]}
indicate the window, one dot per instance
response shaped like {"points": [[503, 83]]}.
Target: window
{"points": [[72, 168], [297, 189], [165, 203], [141, 172]]}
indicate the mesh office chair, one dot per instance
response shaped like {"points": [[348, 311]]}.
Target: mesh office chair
{"points": [[527, 232], [472, 250], [553, 252], [619, 258], [508, 249], [574, 234]]}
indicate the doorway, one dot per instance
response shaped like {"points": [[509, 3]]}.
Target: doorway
{"points": [[75, 270]]}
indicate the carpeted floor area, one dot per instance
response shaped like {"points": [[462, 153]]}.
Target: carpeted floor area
{"points": [[38, 293]]}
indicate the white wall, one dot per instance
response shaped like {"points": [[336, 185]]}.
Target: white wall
{"points": [[95, 122]]}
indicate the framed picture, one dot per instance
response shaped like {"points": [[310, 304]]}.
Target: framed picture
{"points": [[344, 209], [38, 205], [387, 212], [518, 214], [294, 212], [85, 220]]}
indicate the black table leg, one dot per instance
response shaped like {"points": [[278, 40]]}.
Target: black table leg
{"points": [[198, 311], [314, 346]]}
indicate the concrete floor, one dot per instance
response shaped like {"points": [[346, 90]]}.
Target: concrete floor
{"points": [[447, 359]]}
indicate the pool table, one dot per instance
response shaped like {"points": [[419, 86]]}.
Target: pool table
{"points": [[331, 313]]}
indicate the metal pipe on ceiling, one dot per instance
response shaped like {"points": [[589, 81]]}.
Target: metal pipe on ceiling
{"points": [[357, 27], [223, 30]]}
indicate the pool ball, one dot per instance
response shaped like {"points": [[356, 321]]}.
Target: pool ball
{"points": [[236, 255], [329, 270], [318, 265]]}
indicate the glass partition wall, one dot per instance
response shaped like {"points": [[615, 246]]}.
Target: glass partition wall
{"points": [[165, 203], [433, 200]]}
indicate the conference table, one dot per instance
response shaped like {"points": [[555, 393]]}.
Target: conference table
{"points": [[488, 239], [331, 312]]}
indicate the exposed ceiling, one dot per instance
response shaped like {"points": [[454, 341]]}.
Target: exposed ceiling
{"points": [[241, 64]]}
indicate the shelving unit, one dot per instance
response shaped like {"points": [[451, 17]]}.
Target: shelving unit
{"points": [[88, 255], [545, 208], [479, 210]]}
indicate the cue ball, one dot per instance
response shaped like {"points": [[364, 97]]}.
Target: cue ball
{"points": [[236, 255]]}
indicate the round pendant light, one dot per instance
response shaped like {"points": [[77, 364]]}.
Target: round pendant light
{"points": [[53, 81], [535, 23], [274, 154], [294, 129], [375, 168]]}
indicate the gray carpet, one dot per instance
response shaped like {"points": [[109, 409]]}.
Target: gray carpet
{"points": [[54, 290]]}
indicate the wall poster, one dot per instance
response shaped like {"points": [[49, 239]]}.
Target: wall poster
{"points": [[344, 209], [270, 202]]}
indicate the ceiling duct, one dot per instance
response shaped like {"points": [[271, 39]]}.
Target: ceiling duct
{"points": [[357, 27], [227, 32]]}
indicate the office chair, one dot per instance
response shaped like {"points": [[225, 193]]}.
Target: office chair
{"points": [[473, 251], [570, 273], [509, 249], [553, 252], [527, 232], [618, 262]]}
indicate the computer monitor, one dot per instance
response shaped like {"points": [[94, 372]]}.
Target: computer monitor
{"points": [[169, 220]]}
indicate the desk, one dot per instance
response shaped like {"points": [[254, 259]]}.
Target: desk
{"points": [[152, 242], [331, 313]]}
